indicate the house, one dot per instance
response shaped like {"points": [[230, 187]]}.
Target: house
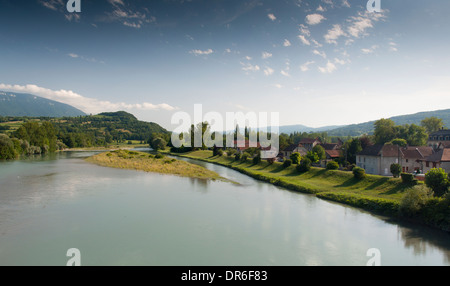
{"points": [[332, 154], [242, 145], [287, 152], [439, 138], [309, 143], [440, 159], [377, 159]]}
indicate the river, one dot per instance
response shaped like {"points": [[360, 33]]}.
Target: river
{"points": [[57, 202]]}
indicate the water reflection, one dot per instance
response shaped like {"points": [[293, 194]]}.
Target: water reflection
{"points": [[185, 221]]}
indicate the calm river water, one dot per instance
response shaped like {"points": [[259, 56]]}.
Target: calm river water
{"points": [[121, 217]]}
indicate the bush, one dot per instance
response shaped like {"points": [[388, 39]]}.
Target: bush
{"points": [[237, 157], [245, 156], [437, 181], [332, 165], [413, 201], [231, 152], [296, 158], [271, 161], [350, 167], [257, 159], [220, 152], [408, 179], [304, 166], [287, 163], [396, 170], [159, 156], [359, 173]]}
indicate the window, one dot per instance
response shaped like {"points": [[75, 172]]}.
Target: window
{"points": [[428, 164], [407, 160]]}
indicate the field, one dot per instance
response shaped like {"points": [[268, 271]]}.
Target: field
{"points": [[132, 160]]}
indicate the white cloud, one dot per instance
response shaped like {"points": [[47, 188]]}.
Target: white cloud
{"points": [[285, 73], [329, 68], [314, 19], [345, 3], [339, 61], [322, 54], [305, 66], [249, 67], [248, 58], [359, 24], [271, 17], [266, 55], [201, 53], [268, 71], [88, 105], [277, 85], [334, 33], [369, 50], [304, 30], [304, 40], [73, 55], [286, 43], [393, 47], [320, 9]]}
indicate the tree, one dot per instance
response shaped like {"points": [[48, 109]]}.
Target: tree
{"points": [[296, 158], [313, 157], [352, 148], [7, 150], [304, 166], [437, 180], [384, 131], [399, 142], [158, 144], [320, 151], [432, 124], [416, 135], [396, 170]]}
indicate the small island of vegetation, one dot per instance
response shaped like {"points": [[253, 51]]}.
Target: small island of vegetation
{"points": [[125, 159]]}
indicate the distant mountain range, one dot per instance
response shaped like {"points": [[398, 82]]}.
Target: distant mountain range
{"points": [[368, 127], [20, 104]]}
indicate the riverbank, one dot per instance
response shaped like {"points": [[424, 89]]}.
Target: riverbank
{"points": [[132, 160], [376, 194]]}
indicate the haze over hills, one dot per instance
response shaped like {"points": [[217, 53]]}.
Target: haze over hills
{"points": [[21, 104]]}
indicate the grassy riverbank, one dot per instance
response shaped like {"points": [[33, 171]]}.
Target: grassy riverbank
{"points": [[132, 160], [377, 194]]}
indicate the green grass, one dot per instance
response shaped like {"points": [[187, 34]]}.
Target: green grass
{"points": [[133, 160], [374, 193]]}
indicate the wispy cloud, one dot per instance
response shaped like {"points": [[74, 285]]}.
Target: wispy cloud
{"points": [[88, 105], [268, 71], [304, 40], [271, 17], [266, 55], [201, 53], [92, 60], [334, 33], [314, 19], [286, 43], [127, 16], [329, 68], [247, 67], [305, 66], [318, 53], [60, 6]]}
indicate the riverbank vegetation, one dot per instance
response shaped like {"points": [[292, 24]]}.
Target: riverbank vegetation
{"points": [[381, 195], [132, 160]]}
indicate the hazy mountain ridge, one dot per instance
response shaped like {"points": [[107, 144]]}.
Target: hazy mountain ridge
{"points": [[22, 104]]}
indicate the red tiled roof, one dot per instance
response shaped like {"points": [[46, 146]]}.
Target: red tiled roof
{"points": [[333, 153]]}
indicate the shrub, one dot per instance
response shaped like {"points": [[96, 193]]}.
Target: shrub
{"points": [[296, 158], [413, 201], [359, 173], [396, 170], [350, 167], [257, 159], [304, 166], [408, 179], [237, 157], [245, 156], [437, 181], [332, 165], [159, 156], [220, 152], [231, 152], [271, 161], [287, 163]]}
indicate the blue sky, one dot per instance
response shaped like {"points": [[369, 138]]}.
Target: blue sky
{"points": [[316, 62]]}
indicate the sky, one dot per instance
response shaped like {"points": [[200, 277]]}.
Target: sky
{"points": [[315, 62]]}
